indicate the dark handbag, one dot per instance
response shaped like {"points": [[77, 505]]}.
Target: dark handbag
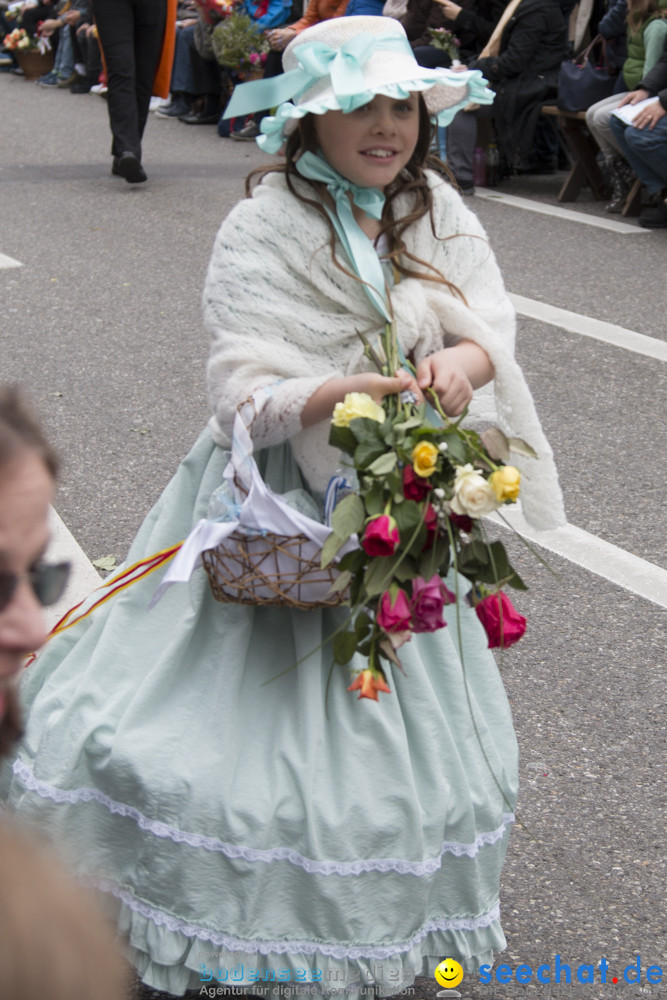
{"points": [[586, 79]]}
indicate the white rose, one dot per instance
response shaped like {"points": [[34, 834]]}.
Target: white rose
{"points": [[473, 495]]}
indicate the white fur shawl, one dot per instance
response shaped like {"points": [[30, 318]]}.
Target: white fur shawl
{"points": [[281, 314]]}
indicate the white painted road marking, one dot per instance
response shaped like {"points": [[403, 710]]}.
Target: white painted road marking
{"points": [[609, 333], [544, 208], [9, 261], [64, 547], [595, 555]]}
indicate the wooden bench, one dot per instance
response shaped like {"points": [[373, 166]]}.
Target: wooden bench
{"points": [[583, 151]]}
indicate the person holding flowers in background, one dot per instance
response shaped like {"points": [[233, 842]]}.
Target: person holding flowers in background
{"points": [[204, 763]]}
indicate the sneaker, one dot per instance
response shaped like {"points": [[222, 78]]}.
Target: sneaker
{"points": [[99, 88], [157, 102], [67, 81], [249, 132], [49, 80]]}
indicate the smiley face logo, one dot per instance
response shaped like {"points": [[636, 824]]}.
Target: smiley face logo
{"points": [[449, 973]]}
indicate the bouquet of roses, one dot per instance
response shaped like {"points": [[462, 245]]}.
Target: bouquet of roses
{"points": [[239, 44], [424, 483], [19, 40], [443, 39]]}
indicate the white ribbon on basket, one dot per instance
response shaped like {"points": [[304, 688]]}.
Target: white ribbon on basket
{"points": [[262, 511]]}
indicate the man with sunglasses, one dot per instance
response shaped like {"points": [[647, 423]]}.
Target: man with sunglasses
{"points": [[27, 481]]}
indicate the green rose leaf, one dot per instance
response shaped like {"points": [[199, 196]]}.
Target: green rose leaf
{"points": [[379, 574], [343, 438], [384, 464], [348, 516], [344, 646], [331, 547], [367, 451]]}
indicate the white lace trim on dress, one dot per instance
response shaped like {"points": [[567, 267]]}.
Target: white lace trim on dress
{"points": [[303, 947], [251, 854]]}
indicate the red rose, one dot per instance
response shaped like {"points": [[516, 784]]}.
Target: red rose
{"points": [[428, 600], [502, 622], [431, 522], [381, 537], [394, 616], [461, 521], [414, 487]]}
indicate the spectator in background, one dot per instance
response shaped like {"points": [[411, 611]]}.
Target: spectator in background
{"points": [[137, 40], [646, 34], [471, 25], [521, 60], [522, 63], [644, 142], [182, 87], [279, 37], [63, 73]]}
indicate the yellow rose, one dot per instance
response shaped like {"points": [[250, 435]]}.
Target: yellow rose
{"points": [[357, 404], [473, 495], [424, 459], [506, 483]]}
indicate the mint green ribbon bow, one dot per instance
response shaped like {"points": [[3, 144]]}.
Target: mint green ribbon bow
{"points": [[315, 61], [356, 244]]}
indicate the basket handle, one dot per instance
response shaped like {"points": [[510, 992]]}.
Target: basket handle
{"points": [[243, 459]]}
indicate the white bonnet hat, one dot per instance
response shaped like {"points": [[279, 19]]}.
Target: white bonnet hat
{"points": [[341, 64]]}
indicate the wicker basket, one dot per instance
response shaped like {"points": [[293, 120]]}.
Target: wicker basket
{"points": [[245, 570], [266, 567], [35, 63]]}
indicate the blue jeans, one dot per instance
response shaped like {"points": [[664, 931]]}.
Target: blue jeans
{"points": [[64, 61], [645, 150], [182, 81]]}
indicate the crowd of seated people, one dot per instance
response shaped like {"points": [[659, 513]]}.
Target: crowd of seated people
{"points": [[519, 47]]}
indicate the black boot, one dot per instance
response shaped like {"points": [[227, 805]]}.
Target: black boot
{"points": [[622, 179]]}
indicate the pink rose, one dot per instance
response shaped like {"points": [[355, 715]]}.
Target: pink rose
{"points": [[414, 487], [502, 622], [396, 616], [431, 522], [254, 57], [428, 600], [381, 537]]}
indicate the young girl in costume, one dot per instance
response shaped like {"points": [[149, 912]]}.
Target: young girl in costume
{"points": [[275, 836]]}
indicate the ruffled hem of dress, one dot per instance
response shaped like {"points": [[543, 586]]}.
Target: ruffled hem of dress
{"points": [[267, 856], [175, 955]]}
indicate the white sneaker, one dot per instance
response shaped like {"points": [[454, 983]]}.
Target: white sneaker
{"points": [[99, 88], [158, 102]]}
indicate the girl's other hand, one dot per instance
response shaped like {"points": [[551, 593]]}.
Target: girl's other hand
{"points": [[454, 373]]}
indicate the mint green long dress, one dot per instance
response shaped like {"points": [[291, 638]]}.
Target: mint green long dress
{"points": [[269, 835]]}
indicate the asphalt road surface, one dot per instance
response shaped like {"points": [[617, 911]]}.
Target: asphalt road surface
{"points": [[101, 321]]}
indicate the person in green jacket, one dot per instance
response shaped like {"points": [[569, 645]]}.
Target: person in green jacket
{"points": [[647, 32]]}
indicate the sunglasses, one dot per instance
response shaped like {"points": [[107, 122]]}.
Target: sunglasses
{"points": [[48, 581]]}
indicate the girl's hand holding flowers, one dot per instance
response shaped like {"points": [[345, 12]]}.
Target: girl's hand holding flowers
{"points": [[454, 373]]}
